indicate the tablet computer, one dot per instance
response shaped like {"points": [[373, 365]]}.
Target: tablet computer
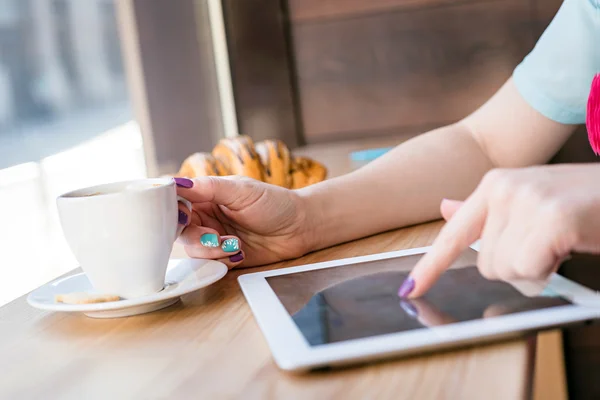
{"points": [[348, 311]]}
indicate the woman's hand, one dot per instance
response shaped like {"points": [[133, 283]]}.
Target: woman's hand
{"points": [[243, 221], [529, 220]]}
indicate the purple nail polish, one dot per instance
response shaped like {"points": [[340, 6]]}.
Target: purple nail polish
{"points": [[409, 309], [236, 257], [407, 286], [184, 182], [183, 218]]}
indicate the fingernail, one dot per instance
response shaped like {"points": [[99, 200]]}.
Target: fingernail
{"points": [[184, 182], [409, 309], [451, 201], [209, 240], [236, 257], [407, 286], [230, 245], [183, 218]]}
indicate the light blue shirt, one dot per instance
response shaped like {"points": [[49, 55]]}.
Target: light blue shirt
{"points": [[555, 78]]}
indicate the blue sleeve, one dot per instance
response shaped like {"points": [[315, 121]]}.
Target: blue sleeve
{"points": [[555, 78]]}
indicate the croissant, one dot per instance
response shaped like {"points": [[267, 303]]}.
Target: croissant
{"points": [[277, 163], [239, 157], [306, 171], [269, 161], [202, 164]]}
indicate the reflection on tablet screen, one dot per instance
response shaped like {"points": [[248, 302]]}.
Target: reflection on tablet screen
{"points": [[368, 305]]}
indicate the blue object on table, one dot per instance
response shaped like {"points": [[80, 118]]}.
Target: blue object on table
{"points": [[369, 155]]}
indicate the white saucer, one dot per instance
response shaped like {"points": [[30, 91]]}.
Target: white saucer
{"points": [[183, 276]]}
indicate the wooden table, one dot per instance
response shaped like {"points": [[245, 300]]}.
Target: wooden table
{"points": [[209, 347]]}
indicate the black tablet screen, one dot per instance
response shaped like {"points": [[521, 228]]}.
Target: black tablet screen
{"points": [[360, 300]]}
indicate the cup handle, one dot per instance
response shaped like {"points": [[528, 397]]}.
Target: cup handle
{"points": [[188, 204]]}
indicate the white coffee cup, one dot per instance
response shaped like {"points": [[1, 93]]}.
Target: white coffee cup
{"points": [[122, 233]]}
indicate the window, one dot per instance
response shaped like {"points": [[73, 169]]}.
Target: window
{"points": [[65, 122]]}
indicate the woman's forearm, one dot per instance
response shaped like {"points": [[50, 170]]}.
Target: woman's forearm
{"points": [[406, 185], [401, 188]]}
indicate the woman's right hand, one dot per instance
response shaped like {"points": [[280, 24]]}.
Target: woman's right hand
{"points": [[241, 221]]}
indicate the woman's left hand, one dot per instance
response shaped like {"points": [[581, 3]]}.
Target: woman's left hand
{"points": [[529, 220]]}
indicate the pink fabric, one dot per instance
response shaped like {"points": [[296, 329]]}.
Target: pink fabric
{"points": [[592, 120]]}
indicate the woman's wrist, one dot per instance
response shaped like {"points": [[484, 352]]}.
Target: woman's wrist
{"points": [[314, 215]]}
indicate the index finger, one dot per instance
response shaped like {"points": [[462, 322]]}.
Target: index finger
{"points": [[456, 236]]}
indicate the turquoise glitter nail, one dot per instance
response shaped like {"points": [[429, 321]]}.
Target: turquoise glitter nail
{"points": [[209, 240], [230, 245]]}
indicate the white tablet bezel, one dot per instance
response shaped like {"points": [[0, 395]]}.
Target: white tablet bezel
{"points": [[292, 352]]}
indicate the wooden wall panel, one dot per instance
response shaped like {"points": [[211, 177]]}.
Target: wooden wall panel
{"points": [[406, 71], [261, 69], [307, 10], [544, 11]]}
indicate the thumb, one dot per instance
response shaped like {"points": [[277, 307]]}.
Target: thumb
{"points": [[449, 207], [234, 194]]}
